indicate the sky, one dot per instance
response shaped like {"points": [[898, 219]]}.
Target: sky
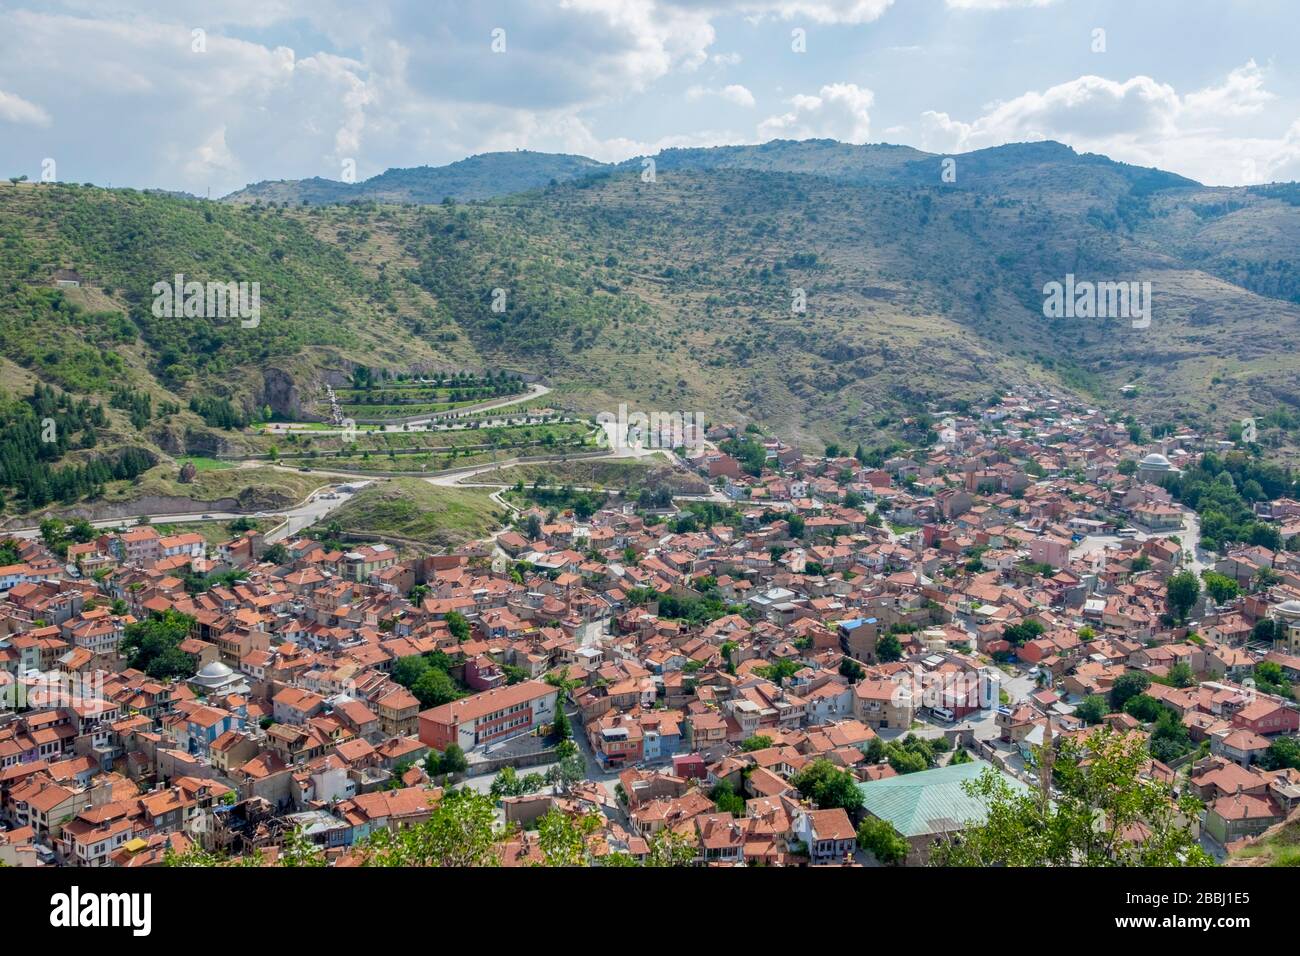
{"points": [[206, 97]]}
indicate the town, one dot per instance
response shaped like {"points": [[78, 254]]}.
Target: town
{"points": [[815, 663]]}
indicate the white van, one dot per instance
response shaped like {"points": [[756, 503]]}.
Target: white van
{"points": [[943, 713]]}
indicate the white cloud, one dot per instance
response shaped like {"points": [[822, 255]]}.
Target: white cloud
{"points": [[15, 109], [1241, 94], [817, 11], [838, 111], [732, 93], [996, 4], [143, 107], [1138, 120]]}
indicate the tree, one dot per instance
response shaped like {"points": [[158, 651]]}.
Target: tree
{"points": [[779, 671], [668, 847], [562, 837], [153, 645], [461, 831], [879, 838], [1127, 686], [1104, 813], [1144, 707], [409, 669], [756, 742], [1025, 631], [570, 769], [453, 760], [1265, 630], [1221, 587], [726, 799], [851, 670], [1170, 739], [505, 783], [827, 786], [1182, 590], [1092, 709], [1181, 675], [297, 849], [561, 728], [434, 687], [888, 648], [1282, 753], [458, 626]]}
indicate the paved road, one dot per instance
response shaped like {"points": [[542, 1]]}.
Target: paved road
{"points": [[984, 723], [1196, 558], [316, 506], [307, 513], [417, 423]]}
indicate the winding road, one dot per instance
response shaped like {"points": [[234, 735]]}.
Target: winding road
{"points": [[317, 505], [421, 424]]}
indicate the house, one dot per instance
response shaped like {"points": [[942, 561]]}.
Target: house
{"points": [[1241, 815], [883, 703], [202, 727], [926, 806], [139, 546], [1265, 717], [1239, 745], [360, 564], [828, 835], [1050, 550], [294, 705], [489, 717], [616, 739]]}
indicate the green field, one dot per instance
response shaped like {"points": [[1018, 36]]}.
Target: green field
{"points": [[204, 464], [256, 489], [412, 508], [214, 532], [553, 434], [605, 474]]}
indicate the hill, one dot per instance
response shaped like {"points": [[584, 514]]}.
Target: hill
{"points": [[478, 177], [414, 509], [1277, 846], [678, 294]]}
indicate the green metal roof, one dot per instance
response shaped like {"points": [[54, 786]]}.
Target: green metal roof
{"points": [[931, 801]]}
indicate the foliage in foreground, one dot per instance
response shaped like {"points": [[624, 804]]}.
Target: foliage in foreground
{"points": [[461, 831], [1103, 814]]}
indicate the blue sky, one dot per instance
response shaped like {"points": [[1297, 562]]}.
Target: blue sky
{"points": [[183, 94]]}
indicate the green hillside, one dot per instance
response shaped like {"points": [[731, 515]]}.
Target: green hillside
{"points": [[478, 177], [675, 294]]}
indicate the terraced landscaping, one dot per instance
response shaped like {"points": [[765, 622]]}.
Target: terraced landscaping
{"points": [[377, 400]]}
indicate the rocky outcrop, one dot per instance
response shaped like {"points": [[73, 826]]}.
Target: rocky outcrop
{"points": [[281, 392]]}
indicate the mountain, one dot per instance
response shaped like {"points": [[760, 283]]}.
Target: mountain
{"points": [[479, 177], [679, 293], [501, 174]]}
